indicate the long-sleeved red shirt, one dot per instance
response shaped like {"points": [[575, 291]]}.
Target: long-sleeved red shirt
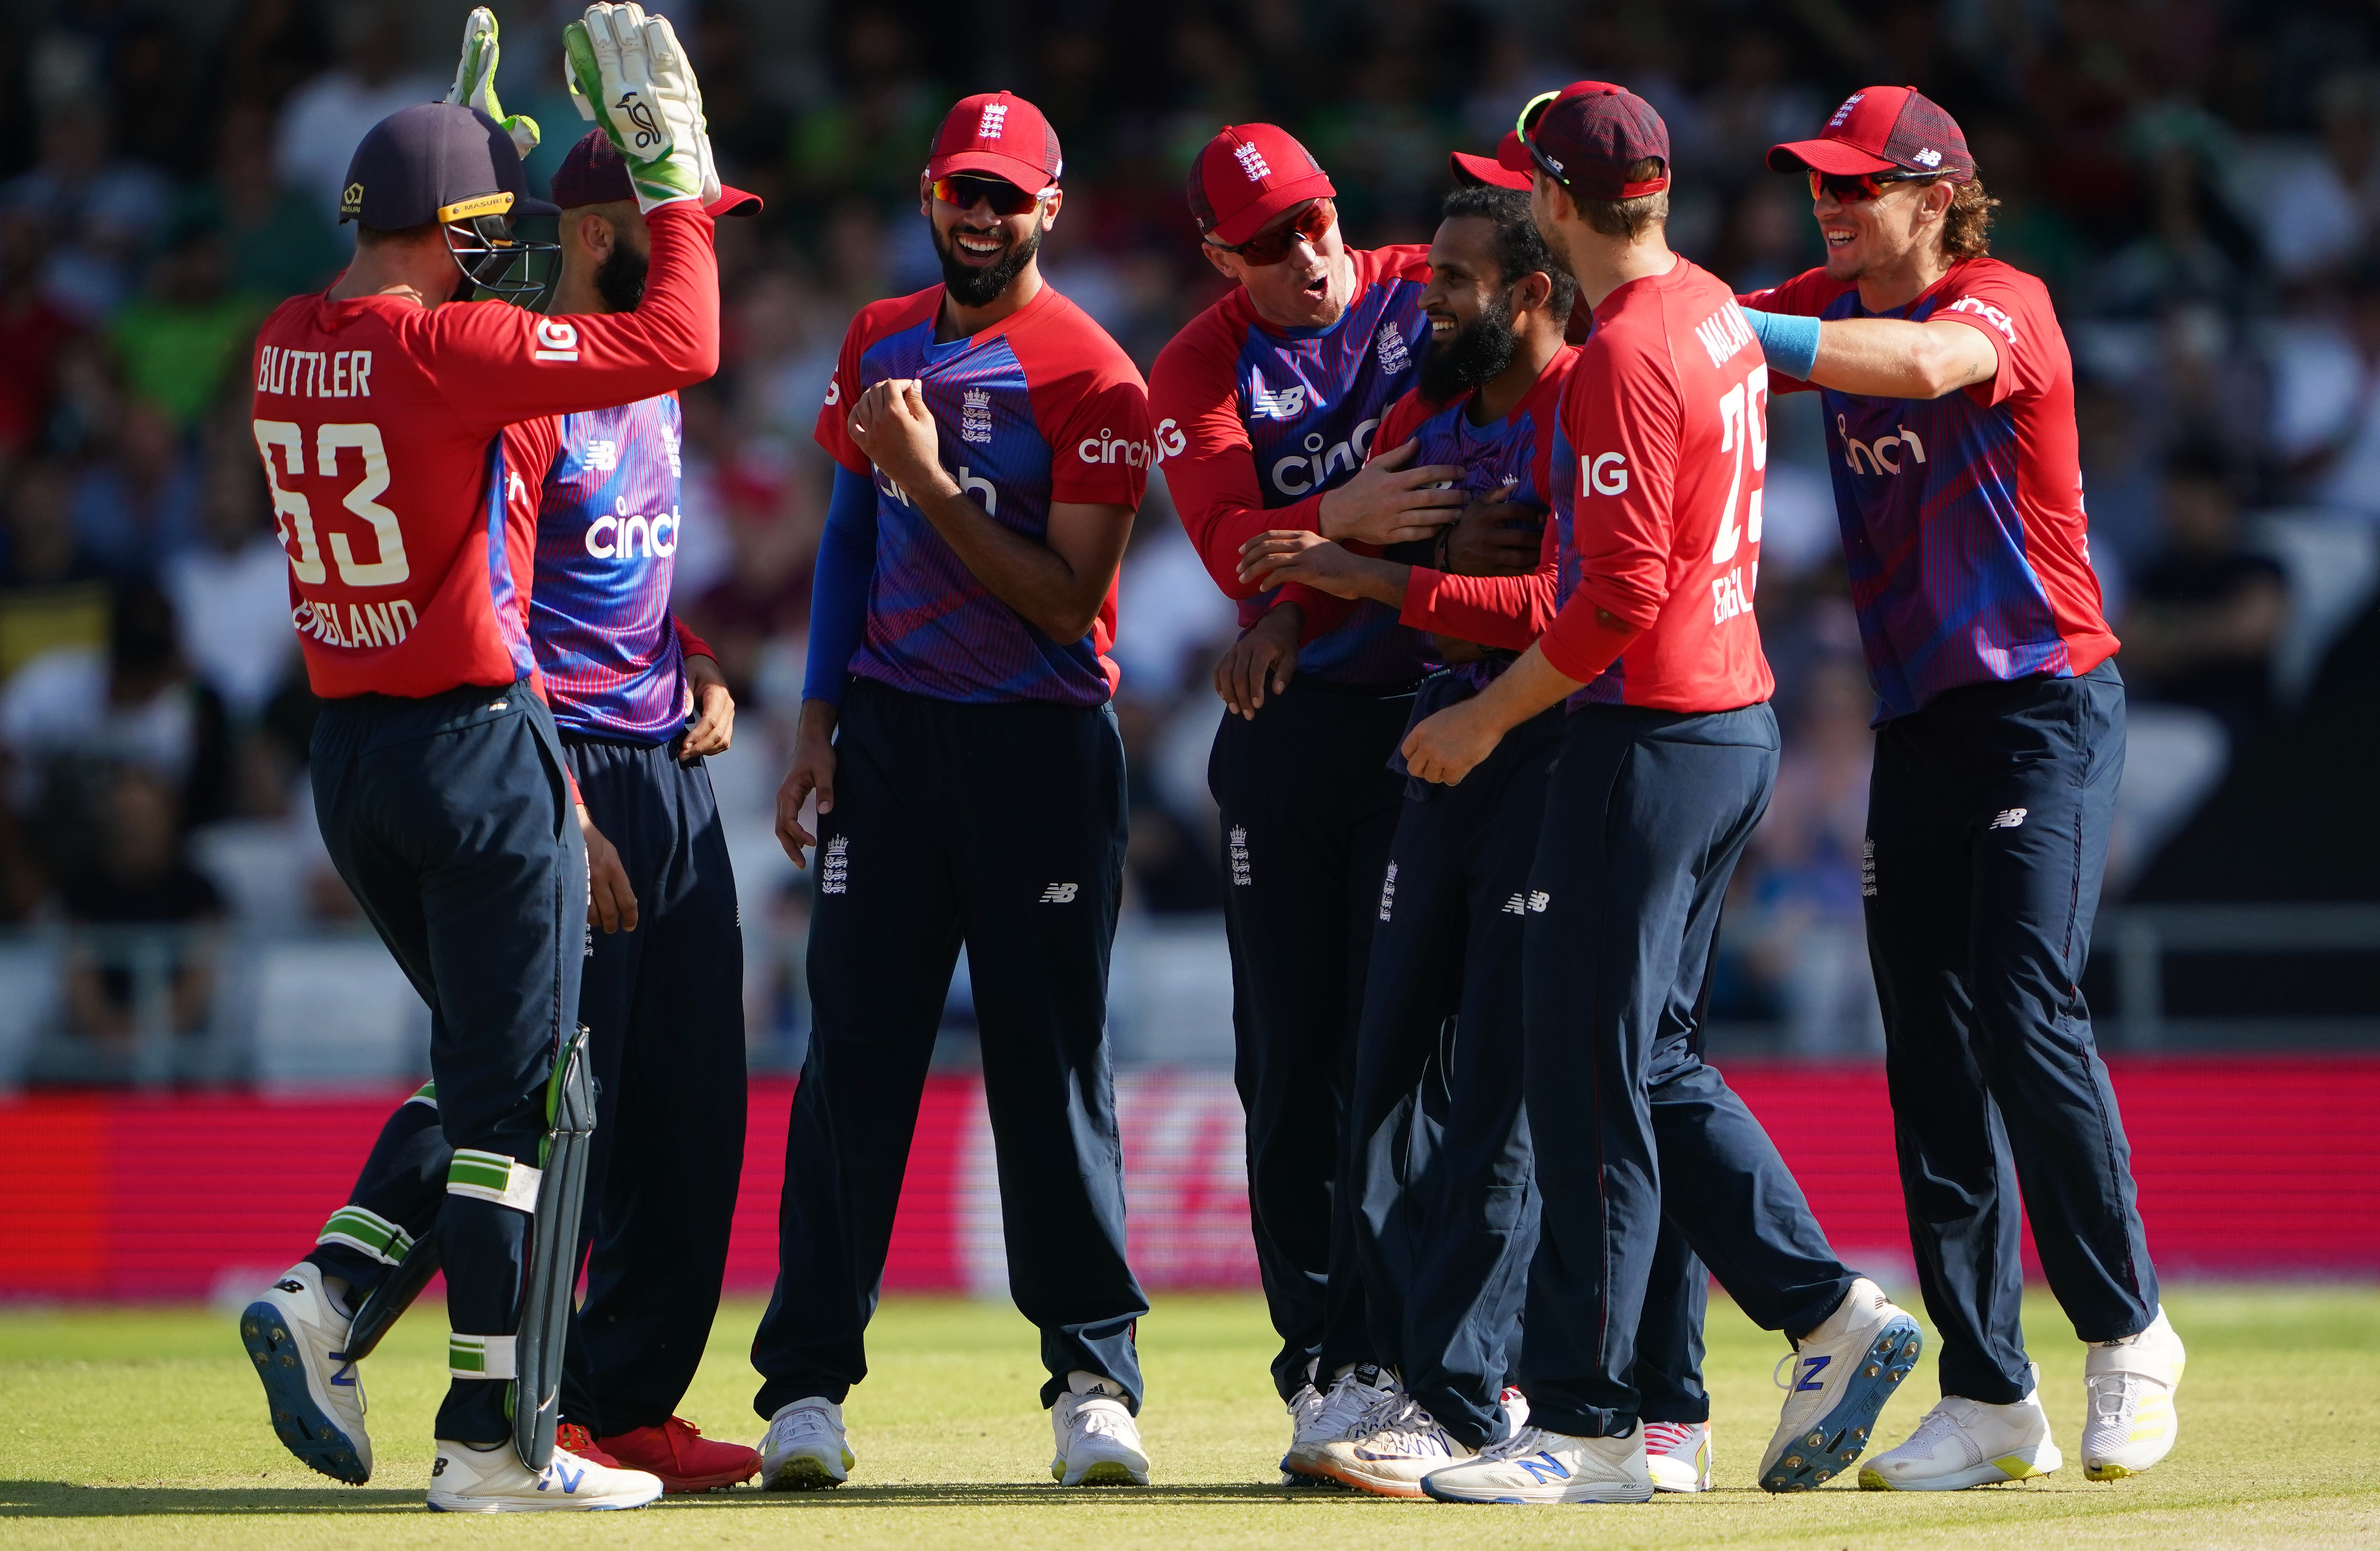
{"points": [[379, 420]]}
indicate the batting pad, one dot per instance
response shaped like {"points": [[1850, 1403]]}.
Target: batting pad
{"points": [[493, 1177]]}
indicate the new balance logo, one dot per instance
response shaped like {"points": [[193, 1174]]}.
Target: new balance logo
{"points": [[1928, 158], [1545, 1467], [994, 119], [1288, 404], [2009, 818], [290, 1284], [1814, 1366], [1252, 162], [1516, 904], [1538, 900], [1060, 894]]}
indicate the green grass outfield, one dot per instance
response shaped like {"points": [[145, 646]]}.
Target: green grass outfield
{"points": [[145, 1426]]}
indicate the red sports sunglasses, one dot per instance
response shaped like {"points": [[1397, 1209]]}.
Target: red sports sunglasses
{"points": [[1856, 187], [1006, 198], [1272, 245]]}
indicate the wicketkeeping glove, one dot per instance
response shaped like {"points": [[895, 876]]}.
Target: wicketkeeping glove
{"points": [[628, 73], [475, 80]]}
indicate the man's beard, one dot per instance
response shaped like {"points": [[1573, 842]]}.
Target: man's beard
{"points": [[620, 279], [1478, 350], [979, 288]]}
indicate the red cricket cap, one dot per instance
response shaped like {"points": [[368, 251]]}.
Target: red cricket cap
{"points": [[998, 133], [1249, 175], [1589, 137], [593, 172], [1508, 168], [1883, 128]]}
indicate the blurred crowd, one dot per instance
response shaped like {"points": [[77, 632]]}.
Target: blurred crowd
{"points": [[2197, 181]]}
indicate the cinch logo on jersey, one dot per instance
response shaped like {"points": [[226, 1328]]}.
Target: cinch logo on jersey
{"points": [[970, 483], [314, 374], [1880, 455], [1989, 313], [1301, 474], [624, 537], [1108, 447]]}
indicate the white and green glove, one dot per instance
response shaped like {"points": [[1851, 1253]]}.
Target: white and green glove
{"points": [[475, 80], [628, 74]]}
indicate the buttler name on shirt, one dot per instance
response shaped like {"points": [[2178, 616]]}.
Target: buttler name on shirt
{"points": [[314, 374]]}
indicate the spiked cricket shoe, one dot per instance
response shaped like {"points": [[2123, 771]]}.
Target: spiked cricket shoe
{"points": [[2131, 1424], [468, 1480], [1842, 1374], [1678, 1456], [804, 1450], [1964, 1442], [1097, 1442], [293, 1335], [1540, 1469]]}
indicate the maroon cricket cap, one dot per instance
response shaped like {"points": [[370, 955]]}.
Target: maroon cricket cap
{"points": [[1883, 128], [1249, 175], [1508, 168], [593, 172], [1001, 134], [1589, 136]]}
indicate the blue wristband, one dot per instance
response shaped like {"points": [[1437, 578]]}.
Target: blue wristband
{"points": [[1788, 340]]}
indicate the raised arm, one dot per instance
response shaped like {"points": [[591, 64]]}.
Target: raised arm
{"points": [[502, 365], [1882, 358]]}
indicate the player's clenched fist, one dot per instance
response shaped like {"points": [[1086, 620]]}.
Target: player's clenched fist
{"points": [[895, 430], [1447, 746]]}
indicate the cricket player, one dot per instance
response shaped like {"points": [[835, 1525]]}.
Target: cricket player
{"points": [[1445, 1248], [439, 781], [1266, 404], [1666, 759], [661, 989], [1949, 409], [992, 445]]}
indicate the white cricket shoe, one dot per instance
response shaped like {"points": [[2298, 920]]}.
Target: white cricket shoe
{"points": [[293, 1334], [804, 1450], [1843, 1372], [1099, 1445], [2130, 1422], [468, 1480], [1964, 1442], [1539, 1468], [1349, 1400], [1399, 1443], [1678, 1456]]}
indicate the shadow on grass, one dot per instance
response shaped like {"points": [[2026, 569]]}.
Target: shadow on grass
{"points": [[61, 1499]]}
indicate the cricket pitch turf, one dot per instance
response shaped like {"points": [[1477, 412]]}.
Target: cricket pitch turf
{"points": [[125, 1425]]}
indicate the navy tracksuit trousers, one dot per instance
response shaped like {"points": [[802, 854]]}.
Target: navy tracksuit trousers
{"points": [[450, 819], [1987, 840], [1308, 806], [665, 1012], [1648, 814], [1446, 1213], [1000, 826]]}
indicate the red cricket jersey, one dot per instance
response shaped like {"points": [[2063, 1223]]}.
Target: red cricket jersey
{"points": [[1963, 528], [1664, 433], [379, 420]]}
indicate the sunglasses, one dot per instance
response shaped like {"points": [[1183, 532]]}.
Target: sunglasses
{"points": [[1530, 111], [1272, 245], [1006, 198], [1856, 187]]}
